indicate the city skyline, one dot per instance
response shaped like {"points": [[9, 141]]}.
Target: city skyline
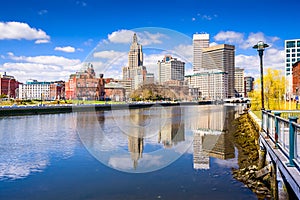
{"points": [[49, 41]]}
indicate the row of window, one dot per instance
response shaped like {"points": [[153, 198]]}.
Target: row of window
{"points": [[293, 55], [293, 50], [291, 44], [293, 60]]}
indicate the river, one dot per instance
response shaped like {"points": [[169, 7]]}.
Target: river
{"points": [[180, 152]]}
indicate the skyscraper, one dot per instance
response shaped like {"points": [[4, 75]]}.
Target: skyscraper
{"points": [[220, 57], [239, 85], [292, 55], [170, 69], [135, 64], [200, 41]]}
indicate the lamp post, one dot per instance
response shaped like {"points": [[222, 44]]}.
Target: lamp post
{"points": [[260, 46]]}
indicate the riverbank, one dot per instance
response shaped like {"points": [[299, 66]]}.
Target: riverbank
{"points": [[246, 140], [67, 108]]}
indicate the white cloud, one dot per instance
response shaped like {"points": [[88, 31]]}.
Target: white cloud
{"points": [[229, 37], [184, 52], [238, 39], [41, 41], [43, 12], [109, 54], [67, 49], [52, 60], [46, 68], [19, 30], [144, 38], [121, 36]]}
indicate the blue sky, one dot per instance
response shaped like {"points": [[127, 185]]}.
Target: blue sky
{"points": [[49, 39]]}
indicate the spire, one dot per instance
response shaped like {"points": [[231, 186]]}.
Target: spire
{"points": [[134, 38]]}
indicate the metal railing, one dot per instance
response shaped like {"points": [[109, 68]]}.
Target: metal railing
{"points": [[285, 133]]}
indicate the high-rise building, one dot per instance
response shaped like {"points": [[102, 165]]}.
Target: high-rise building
{"points": [[239, 82], [249, 84], [200, 41], [211, 84], [292, 55], [221, 57], [170, 69], [135, 64]]}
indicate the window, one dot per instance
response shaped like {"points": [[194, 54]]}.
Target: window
{"points": [[298, 54], [288, 50], [293, 60], [293, 55], [288, 55], [290, 44], [298, 43], [298, 50], [293, 50], [288, 65], [288, 60]]}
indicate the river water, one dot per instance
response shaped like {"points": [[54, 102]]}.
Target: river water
{"points": [[182, 152]]}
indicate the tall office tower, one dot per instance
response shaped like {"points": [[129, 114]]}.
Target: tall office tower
{"points": [[135, 64], [200, 41], [221, 57], [170, 69], [239, 84], [249, 85], [292, 55]]}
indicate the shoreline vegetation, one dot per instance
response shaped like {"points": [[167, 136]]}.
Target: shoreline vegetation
{"points": [[246, 140]]}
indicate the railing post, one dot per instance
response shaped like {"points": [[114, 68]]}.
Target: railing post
{"points": [[292, 141], [262, 119], [268, 122], [277, 114]]}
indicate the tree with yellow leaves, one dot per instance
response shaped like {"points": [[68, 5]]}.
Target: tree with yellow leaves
{"points": [[274, 90]]}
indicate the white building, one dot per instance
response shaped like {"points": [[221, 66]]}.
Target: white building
{"points": [[35, 90], [211, 84], [170, 69], [200, 41], [239, 81], [292, 55]]}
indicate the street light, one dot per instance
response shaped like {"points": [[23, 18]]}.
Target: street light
{"points": [[260, 46]]}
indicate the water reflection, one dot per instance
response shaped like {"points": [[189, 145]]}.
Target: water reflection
{"points": [[28, 143], [143, 140]]}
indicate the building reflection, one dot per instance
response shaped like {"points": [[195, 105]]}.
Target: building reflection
{"points": [[212, 136], [168, 125]]}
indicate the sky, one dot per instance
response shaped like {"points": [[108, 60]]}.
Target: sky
{"points": [[48, 40]]}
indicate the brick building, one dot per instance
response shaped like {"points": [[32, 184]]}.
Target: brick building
{"points": [[84, 85], [8, 86], [296, 78]]}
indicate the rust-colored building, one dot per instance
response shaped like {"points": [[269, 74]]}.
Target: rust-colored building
{"points": [[85, 86], [115, 91], [8, 86], [57, 90], [296, 78]]}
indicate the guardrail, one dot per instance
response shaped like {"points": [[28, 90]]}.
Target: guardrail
{"points": [[285, 133]]}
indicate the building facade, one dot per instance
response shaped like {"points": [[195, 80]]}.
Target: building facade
{"points": [[200, 41], [170, 69], [8, 86], [85, 85], [210, 84], [34, 89], [292, 55], [249, 85], [239, 82], [221, 57], [135, 65], [296, 78]]}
